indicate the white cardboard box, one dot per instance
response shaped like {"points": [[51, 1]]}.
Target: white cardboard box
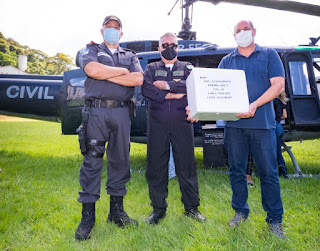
{"points": [[217, 94]]}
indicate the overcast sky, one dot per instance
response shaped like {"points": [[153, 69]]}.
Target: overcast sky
{"points": [[68, 25]]}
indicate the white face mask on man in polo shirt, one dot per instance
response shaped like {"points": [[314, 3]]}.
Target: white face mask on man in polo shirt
{"points": [[244, 38]]}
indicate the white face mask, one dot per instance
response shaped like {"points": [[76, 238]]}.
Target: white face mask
{"points": [[244, 38]]}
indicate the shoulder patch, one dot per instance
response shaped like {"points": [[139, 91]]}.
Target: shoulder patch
{"points": [[85, 52]]}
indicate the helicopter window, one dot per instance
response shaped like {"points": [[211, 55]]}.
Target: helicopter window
{"points": [[299, 78], [316, 68], [204, 61]]}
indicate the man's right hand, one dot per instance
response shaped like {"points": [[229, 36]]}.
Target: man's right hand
{"points": [[171, 95], [189, 118]]}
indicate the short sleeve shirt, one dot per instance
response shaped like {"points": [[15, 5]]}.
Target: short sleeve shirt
{"points": [[262, 65], [104, 89]]}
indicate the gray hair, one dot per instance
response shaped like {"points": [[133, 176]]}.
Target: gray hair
{"points": [[168, 34]]}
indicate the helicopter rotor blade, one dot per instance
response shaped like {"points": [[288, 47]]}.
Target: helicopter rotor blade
{"points": [[286, 5]]}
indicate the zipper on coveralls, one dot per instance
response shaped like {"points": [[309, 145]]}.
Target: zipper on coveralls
{"points": [[170, 76]]}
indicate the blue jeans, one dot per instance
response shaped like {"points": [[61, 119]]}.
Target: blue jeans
{"points": [[262, 144], [280, 160]]}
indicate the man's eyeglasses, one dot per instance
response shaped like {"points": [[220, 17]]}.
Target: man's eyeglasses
{"points": [[166, 45]]}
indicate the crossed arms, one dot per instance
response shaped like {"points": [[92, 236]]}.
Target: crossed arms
{"points": [[117, 75]]}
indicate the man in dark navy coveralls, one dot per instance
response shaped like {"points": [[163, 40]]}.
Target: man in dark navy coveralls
{"points": [[165, 88], [112, 72]]}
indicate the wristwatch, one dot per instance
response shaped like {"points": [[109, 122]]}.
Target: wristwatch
{"points": [[167, 87]]}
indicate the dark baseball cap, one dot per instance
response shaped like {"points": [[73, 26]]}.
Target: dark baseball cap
{"points": [[109, 18]]}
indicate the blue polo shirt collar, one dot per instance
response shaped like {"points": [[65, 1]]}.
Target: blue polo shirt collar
{"points": [[236, 51]]}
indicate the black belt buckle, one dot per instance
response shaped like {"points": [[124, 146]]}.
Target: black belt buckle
{"points": [[112, 103]]}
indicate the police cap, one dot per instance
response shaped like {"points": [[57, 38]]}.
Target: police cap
{"points": [[108, 18]]}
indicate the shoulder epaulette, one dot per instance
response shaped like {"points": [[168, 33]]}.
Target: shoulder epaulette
{"points": [[126, 49], [92, 44]]}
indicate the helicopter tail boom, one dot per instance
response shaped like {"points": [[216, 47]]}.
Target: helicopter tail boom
{"points": [[31, 96]]}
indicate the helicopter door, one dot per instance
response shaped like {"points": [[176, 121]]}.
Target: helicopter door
{"points": [[302, 88]]}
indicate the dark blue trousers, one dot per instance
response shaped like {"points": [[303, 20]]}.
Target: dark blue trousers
{"points": [[262, 144], [164, 128], [111, 125]]}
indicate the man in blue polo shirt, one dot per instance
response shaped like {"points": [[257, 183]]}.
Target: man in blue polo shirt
{"points": [[255, 130]]}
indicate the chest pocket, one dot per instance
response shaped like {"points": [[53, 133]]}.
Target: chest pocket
{"points": [[178, 73], [105, 59], [160, 74], [124, 60], [260, 64]]}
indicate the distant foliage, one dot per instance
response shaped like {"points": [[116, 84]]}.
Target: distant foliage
{"points": [[38, 61]]}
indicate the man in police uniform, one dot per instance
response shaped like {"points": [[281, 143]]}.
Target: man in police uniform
{"points": [[165, 88], [112, 72], [254, 132]]}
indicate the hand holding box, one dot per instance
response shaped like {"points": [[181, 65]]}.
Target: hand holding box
{"points": [[217, 94]]}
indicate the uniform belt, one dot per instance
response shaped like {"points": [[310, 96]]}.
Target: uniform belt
{"points": [[107, 103]]}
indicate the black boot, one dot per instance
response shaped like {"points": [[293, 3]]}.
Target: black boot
{"points": [[87, 222], [117, 214], [156, 215], [195, 214]]}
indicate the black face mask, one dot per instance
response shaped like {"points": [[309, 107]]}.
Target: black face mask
{"points": [[169, 53]]}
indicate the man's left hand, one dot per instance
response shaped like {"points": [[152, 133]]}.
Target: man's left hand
{"points": [[252, 110], [160, 84]]}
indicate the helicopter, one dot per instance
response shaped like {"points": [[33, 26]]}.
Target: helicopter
{"points": [[60, 98]]}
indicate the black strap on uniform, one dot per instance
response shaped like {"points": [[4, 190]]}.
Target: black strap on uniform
{"points": [[108, 103], [94, 154], [94, 142], [91, 151], [82, 131]]}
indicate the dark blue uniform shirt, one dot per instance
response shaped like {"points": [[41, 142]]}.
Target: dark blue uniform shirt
{"points": [[103, 89], [259, 67]]}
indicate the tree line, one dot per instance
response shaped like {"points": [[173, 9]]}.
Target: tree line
{"points": [[38, 62]]}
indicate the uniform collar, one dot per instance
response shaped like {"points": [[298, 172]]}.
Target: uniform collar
{"points": [[104, 47], [163, 65], [236, 51]]}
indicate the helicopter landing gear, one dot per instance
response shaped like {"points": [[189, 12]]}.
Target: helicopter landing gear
{"points": [[298, 173]]}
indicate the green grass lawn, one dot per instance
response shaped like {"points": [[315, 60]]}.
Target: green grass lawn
{"points": [[39, 209]]}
